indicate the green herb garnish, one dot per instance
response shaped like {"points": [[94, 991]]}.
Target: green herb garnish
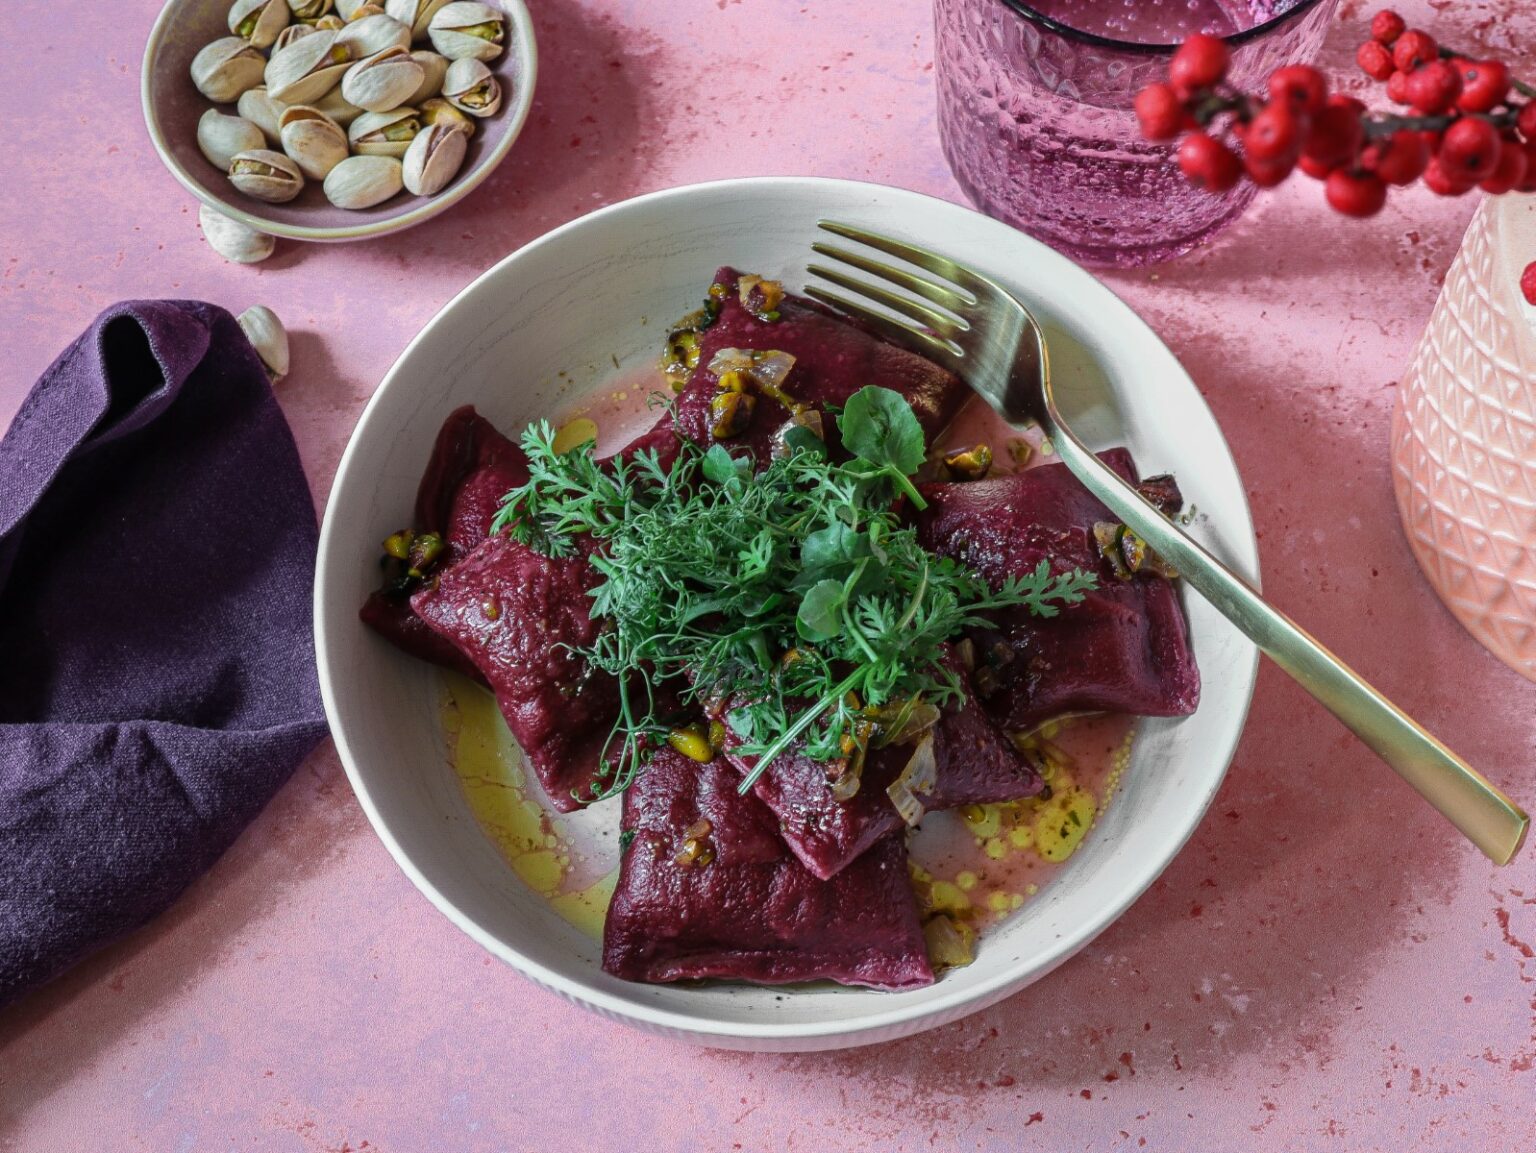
{"points": [[794, 595]]}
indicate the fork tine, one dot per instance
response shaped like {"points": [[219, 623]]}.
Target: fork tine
{"points": [[940, 294], [921, 257], [908, 336], [903, 306]]}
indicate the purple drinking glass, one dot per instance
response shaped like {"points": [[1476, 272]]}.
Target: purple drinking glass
{"points": [[1036, 122]]}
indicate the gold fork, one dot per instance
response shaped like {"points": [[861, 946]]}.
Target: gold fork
{"points": [[958, 315]]}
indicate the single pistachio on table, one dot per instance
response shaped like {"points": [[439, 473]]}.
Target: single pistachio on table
{"points": [[266, 175], [268, 337], [372, 35], [259, 21], [312, 140], [439, 111], [415, 13], [472, 88], [363, 181], [291, 33], [464, 29], [233, 240], [383, 81], [220, 136], [307, 69], [433, 159], [434, 68], [384, 133], [337, 107], [261, 110], [330, 22], [227, 67], [309, 9]]}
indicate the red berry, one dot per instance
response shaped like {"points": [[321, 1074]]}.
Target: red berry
{"points": [[1526, 121], [1316, 169], [1355, 193], [1300, 86], [1268, 173], [1441, 182], [1387, 26], [1432, 88], [1275, 134], [1399, 159], [1413, 48], [1484, 85], [1510, 173], [1200, 62], [1208, 163], [1336, 132], [1528, 283], [1397, 88], [1159, 112], [1469, 150], [1375, 60]]}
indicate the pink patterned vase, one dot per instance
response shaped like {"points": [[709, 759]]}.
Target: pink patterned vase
{"points": [[1464, 437]]}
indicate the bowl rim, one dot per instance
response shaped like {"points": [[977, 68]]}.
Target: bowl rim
{"points": [[902, 1019], [525, 44]]}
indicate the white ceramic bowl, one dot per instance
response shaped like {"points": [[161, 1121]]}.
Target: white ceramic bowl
{"points": [[172, 107], [548, 323]]}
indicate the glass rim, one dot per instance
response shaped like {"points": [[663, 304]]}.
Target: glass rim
{"points": [[1066, 31]]}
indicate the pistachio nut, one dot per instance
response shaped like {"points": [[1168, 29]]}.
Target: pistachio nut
{"points": [[383, 81], [226, 68], [415, 13], [337, 107], [471, 87], [464, 29], [312, 140], [372, 35], [330, 22], [266, 175], [363, 181], [433, 159], [384, 133], [347, 9], [233, 240], [363, 11], [220, 136], [258, 21], [307, 69], [309, 9], [261, 110], [433, 68], [268, 337], [439, 111], [291, 33]]}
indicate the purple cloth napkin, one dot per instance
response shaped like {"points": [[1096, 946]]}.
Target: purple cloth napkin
{"points": [[157, 677]]}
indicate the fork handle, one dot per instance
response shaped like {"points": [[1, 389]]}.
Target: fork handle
{"points": [[1488, 818]]}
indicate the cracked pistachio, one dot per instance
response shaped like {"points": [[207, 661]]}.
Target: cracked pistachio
{"points": [[312, 140], [309, 9], [434, 68], [363, 181], [416, 14], [220, 136], [258, 21], [268, 337], [433, 159], [465, 29], [291, 33], [350, 10], [330, 22], [384, 133], [266, 175], [439, 111], [382, 81], [307, 69], [226, 68], [472, 88], [372, 35]]}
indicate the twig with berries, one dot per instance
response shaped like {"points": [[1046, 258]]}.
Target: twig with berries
{"points": [[1464, 128]]}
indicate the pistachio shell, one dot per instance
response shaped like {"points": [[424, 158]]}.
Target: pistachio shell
{"points": [[415, 13], [307, 69], [330, 22], [472, 88], [347, 9], [220, 136], [309, 9], [372, 35], [337, 107], [439, 111], [363, 181], [226, 68], [261, 110], [258, 21], [433, 68], [464, 28], [433, 159], [384, 133], [266, 175], [382, 82], [312, 140], [291, 33], [268, 337], [233, 240], [363, 11]]}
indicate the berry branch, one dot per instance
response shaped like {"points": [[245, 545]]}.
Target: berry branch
{"points": [[1462, 129]]}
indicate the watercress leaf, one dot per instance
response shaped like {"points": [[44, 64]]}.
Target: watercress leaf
{"points": [[821, 612], [801, 439], [829, 547], [880, 426], [718, 465]]}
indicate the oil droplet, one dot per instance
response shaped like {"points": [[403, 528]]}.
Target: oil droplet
{"points": [[587, 908], [576, 432]]}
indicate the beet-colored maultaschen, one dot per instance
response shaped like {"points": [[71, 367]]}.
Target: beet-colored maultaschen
{"points": [[707, 889], [1124, 649]]}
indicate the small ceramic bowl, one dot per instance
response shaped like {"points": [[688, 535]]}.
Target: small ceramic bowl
{"points": [[173, 106], [555, 325]]}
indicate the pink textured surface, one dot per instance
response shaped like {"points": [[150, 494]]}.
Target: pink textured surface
{"points": [[1324, 967]]}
